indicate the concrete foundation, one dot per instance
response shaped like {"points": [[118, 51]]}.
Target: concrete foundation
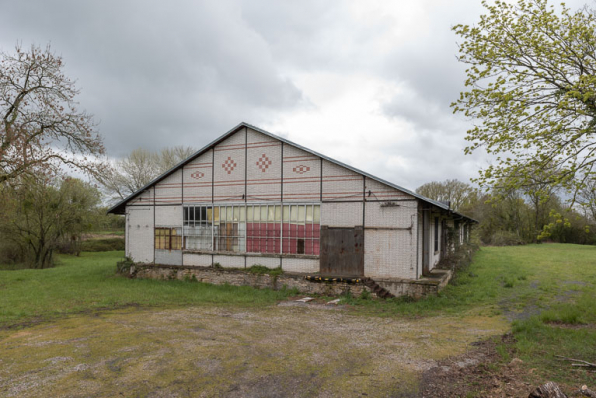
{"points": [[398, 287]]}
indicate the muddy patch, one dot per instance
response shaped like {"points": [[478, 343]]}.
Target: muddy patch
{"points": [[480, 372]]}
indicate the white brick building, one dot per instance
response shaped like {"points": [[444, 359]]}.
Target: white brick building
{"points": [[251, 197]]}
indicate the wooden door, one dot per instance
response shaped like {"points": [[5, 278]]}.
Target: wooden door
{"points": [[342, 251]]}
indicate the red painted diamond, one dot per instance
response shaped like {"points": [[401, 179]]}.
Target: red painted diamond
{"points": [[229, 165], [264, 162], [197, 175], [301, 169]]}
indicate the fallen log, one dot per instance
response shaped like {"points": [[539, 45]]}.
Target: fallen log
{"points": [[548, 390], [581, 362]]}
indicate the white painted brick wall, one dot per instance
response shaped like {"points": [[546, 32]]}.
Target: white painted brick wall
{"points": [[420, 243], [139, 233], [390, 253], [340, 183], [169, 190], [263, 168], [229, 261], [168, 216], [302, 176], [145, 197], [198, 179], [401, 216], [230, 177], [300, 265], [434, 255], [379, 191], [269, 262], [197, 260], [341, 214]]}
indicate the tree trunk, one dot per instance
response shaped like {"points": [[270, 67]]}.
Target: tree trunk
{"points": [[548, 390]]}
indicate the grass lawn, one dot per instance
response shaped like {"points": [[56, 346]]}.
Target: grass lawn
{"points": [[546, 291], [89, 282]]}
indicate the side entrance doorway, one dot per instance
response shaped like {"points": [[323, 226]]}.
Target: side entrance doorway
{"points": [[342, 251]]}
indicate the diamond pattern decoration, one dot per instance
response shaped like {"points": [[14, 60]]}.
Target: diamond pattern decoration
{"points": [[197, 175], [301, 169], [229, 165], [264, 162]]}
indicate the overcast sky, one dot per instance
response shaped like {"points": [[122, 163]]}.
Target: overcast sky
{"points": [[366, 82]]}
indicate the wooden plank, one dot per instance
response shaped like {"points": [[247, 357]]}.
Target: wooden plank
{"points": [[342, 251]]}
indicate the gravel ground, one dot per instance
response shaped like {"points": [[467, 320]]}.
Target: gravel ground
{"points": [[282, 351]]}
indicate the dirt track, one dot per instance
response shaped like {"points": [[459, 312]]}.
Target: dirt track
{"points": [[212, 351]]}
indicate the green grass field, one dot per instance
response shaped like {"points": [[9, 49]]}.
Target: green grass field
{"points": [[89, 282], [546, 291]]}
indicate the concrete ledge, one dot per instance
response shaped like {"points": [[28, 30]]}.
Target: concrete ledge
{"points": [[416, 288], [236, 277], [240, 277]]}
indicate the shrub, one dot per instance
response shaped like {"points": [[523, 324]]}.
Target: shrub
{"points": [[505, 238], [102, 245], [123, 267], [262, 270]]}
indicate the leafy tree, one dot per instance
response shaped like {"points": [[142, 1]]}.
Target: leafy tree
{"points": [[459, 194], [531, 88], [133, 172], [38, 215], [41, 128]]}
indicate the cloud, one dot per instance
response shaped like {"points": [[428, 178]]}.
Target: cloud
{"points": [[368, 82]]}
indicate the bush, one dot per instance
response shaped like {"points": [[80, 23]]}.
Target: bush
{"points": [[123, 267], [262, 270], [102, 245], [505, 238]]}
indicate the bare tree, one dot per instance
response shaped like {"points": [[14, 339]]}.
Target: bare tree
{"points": [[458, 193], [41, 128], [133, 172]]}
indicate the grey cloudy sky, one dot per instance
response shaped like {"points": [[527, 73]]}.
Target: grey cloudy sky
{"points": [[366, 82]]}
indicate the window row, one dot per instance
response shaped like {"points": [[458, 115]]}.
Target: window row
{"points": [[290, 229]]}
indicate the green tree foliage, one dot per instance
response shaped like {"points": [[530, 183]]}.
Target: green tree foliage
{"points": [[38, 216], [458, 193], [531, 89], [133, 172], [518, 216]]}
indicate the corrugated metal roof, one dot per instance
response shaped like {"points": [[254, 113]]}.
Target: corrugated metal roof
{"points": [[119, 208]]}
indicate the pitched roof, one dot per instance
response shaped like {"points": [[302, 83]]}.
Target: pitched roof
{"points": [[119, 208]]}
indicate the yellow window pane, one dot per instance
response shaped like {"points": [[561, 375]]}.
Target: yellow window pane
{"points": [[301, 214], [263, 213], [294, 214], [317, 214], [271, 215], [286, 213], [309, 214], [257, 213], [229, 213], [209, 214], [278, 213], [249, 213], [216, 213], [236, 213], [242, 213]]}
